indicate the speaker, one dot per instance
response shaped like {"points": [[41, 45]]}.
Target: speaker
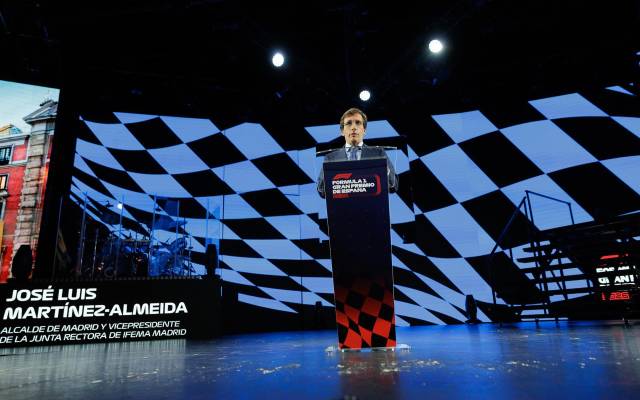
{"points": [[472, 310], [211, 259], [22, 263]]}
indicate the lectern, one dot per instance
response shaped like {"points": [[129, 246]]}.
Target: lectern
{"points": [[360, 242]]}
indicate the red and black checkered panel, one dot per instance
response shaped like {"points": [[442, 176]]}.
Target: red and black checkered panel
{"points": [[364, 315]]}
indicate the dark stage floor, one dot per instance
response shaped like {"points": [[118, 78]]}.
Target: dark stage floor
{"points": [[569, 360]]}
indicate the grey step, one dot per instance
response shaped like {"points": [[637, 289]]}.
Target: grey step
{"points": [[541, 258], [529, 307], [556, 267], [619, 223], [560, 279], [540, 247]]}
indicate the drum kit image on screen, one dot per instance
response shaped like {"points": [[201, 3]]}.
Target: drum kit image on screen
{"points": [[134, 257], [109, 246]]}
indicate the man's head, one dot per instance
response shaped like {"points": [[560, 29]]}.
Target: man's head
{"points": [[353, 125]]}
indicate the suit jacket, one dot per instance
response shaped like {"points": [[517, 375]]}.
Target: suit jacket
{"points": [[367, 152]]}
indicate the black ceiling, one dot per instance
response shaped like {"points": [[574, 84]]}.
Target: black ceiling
{"points": [[198, 57]]}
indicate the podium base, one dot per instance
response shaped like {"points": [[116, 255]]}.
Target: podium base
{"points": [[398, 347]]}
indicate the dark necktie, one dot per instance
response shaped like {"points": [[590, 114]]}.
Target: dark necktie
{"points": [[353, 152]]}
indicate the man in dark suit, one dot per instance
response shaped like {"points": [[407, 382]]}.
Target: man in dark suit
{"points": [[353, 126]]}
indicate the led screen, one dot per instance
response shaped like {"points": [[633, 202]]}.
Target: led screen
{"points": [[27, 125], [187, 196]]}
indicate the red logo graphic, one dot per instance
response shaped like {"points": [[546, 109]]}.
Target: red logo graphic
{"points": [[342, 176]]}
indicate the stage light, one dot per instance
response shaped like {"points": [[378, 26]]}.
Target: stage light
{"points": [[436, 46], [277, 60], [365, 95], [119, 206]]}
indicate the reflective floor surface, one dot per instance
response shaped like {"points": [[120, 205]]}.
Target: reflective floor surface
{"points": [[522, 361]]}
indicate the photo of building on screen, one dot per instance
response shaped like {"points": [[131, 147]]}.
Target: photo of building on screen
{"points": [[25, 151]]}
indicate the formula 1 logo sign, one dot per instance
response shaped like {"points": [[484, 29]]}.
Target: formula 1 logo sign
{"points": [[347, 185]]}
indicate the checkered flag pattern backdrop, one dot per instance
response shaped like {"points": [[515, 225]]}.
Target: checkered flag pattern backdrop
{"points": [[252, 187]]}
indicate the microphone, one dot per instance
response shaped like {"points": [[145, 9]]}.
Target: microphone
{"points": [[323, 152]]}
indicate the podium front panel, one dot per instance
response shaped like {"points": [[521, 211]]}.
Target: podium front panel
{"points": [[360, 243]]}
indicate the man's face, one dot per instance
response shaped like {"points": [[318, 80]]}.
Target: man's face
{"points": [[353, 129]]}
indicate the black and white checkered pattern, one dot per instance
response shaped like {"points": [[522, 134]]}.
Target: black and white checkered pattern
{"points": [[468, 174]]}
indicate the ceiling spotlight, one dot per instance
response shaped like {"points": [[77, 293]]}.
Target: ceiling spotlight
{"points": [[365, 95], [119, 206], [435, 46], [277, 59]]}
